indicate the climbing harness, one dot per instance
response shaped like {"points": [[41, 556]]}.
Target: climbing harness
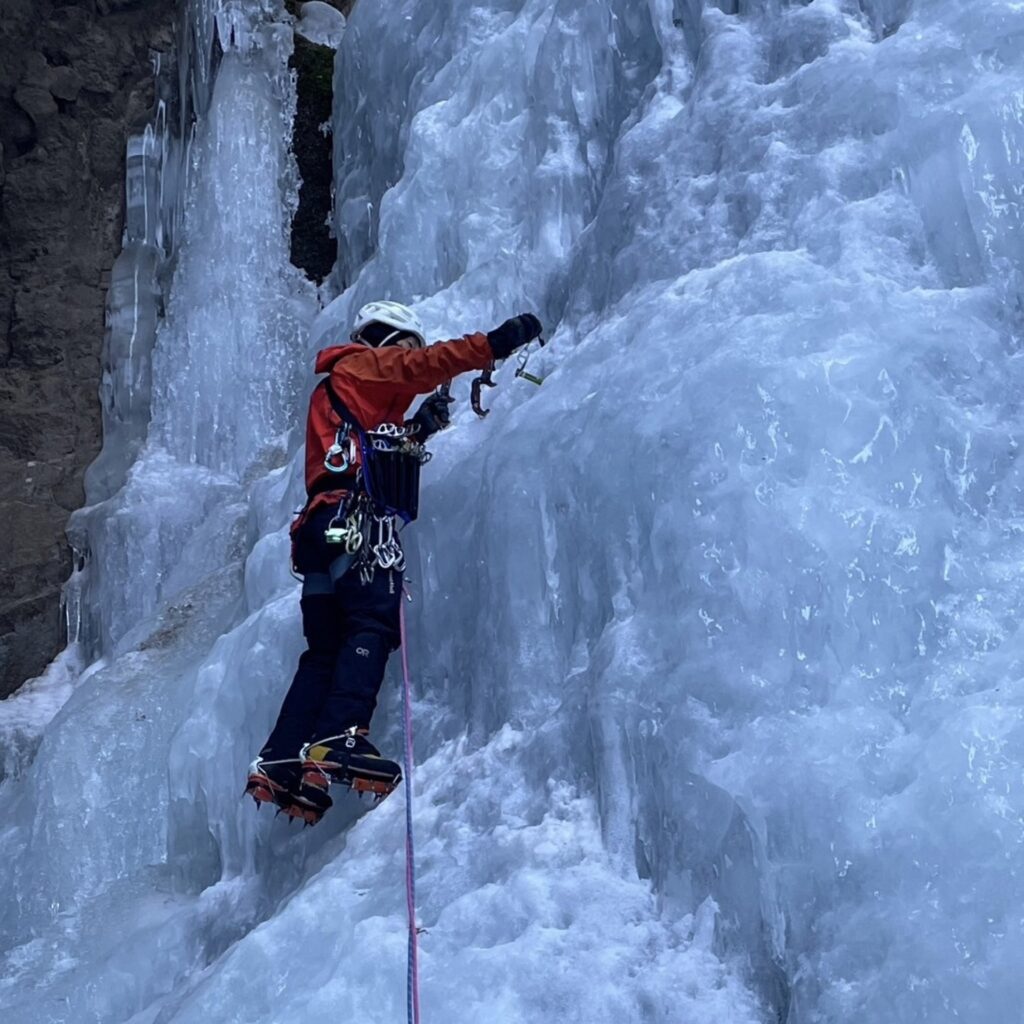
{"points": [[389, 461], [412, 973], [383, 465], [486, 380]]}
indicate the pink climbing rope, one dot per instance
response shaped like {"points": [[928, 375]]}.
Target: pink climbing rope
{"points": [[412, 976]]}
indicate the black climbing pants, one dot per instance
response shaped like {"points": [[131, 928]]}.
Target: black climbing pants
{"points": [[351, 628]]}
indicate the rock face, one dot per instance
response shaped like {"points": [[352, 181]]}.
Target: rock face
{"points": [[75, 77], [313, 246]]}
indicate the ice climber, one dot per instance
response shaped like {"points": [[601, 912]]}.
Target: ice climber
{"points": [[362, 477]]}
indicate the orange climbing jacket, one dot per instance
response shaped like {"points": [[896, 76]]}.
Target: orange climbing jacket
{"points": [[377, 386]]}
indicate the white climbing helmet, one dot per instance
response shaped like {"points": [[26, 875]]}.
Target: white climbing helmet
{"points": [[394, 314]]}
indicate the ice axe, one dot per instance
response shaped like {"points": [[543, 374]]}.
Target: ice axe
{"points": [[485, 380]]}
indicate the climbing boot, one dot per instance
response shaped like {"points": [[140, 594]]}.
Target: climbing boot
{"points": [[278, 783], [350, 760]]}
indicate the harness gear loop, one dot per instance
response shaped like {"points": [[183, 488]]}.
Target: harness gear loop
{"points": [[349, 534], [347, 525]]}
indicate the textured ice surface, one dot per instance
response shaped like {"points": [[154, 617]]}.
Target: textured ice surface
{"points": [[715, 634], [25, 715]]}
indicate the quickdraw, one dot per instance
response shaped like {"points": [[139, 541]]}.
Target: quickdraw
{"points": [[387, 552], [371, 539], [524, 358], [486, 380]]}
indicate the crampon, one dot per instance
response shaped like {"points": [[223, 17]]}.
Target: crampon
{"points": [[278, 783], [349, 760]]}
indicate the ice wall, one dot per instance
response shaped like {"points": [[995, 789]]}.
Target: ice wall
{"points": [[751, 545], [714, 633]]}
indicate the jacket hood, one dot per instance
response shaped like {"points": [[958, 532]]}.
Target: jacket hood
{"points": [[327, 357]]}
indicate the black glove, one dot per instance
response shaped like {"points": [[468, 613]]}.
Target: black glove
{"points": [[513, 334], [433, 415]]}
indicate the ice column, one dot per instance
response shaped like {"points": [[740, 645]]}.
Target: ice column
{"points": [[133, 309], [202, 359]]}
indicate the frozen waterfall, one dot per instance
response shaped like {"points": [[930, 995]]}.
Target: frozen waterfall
{"points": [[714, 634]]}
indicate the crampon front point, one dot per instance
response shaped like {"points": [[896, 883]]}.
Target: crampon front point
{"points": [[277, 783], [348, 760]]}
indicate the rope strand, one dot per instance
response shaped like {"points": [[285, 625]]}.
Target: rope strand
{"points": [[412, 976]]}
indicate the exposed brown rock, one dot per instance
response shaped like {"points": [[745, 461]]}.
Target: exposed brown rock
{"points": [[75, 78]]}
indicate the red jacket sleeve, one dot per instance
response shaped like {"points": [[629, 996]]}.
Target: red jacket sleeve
{"points": [[411, 371]]}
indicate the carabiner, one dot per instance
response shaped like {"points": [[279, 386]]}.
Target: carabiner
{"points": [[342, 446], [524, 358]]}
